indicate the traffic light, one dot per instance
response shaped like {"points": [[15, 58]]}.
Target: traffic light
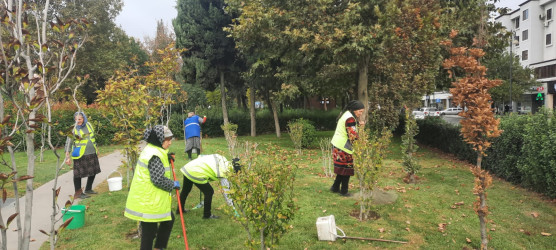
{"points": [[540, 97]]}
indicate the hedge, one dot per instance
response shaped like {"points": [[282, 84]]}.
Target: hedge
{"points": [[524, 154], [322, 120], [62, 117]]}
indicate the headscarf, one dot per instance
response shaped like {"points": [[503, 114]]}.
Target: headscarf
{"points": [[84, 120], [156, 135], [351, 106], [354, 105]]}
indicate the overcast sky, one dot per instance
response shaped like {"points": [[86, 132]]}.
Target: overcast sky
{"points": [[512, 4], [139, 17]]}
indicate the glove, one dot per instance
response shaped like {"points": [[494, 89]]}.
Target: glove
{"points": [[176, 185], [171, 156]]}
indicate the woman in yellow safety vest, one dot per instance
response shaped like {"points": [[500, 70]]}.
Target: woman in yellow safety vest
{"points": [[342, 149], [200, 171], [150, 195], [84, 155]]}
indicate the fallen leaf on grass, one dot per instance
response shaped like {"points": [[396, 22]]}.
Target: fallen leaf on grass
{"points": [[407, 229], [106, 216], [324, 211], [408, 222], [535, 214], [442, 227], [459, 203], [468, 240], [381, 230], [493, 229], [545, 234], [525, 232]]}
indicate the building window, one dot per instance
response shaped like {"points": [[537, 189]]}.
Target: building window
{"points": [[548, 39], [516, 22], [516, 41], [524, 35], [524, 55], [549, 14], [525, 15], [545, 71]]}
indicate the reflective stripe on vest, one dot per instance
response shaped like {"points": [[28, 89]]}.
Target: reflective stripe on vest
{"points": [[142, 164], [147, 216], [340, 138], [84, 139], [145, 201], [203, 169]]}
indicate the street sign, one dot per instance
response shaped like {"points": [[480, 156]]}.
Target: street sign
{"points": [[437, 100], [541, 88]]}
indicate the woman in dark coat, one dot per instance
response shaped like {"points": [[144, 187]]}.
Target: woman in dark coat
{"points": [[342, 146]]}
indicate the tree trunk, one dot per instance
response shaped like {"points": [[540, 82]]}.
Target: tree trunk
{"points": [[482, 204], [30, 141], [362, 86], [252, 112], [275, 114], [223, 95]]}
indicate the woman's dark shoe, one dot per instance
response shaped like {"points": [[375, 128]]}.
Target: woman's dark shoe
{"points": [[83, 196], [333, 190], [184, 211], [346, 195], [212, 216], [90, 192]]}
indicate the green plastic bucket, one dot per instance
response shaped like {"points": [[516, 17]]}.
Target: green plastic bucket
{"points": [[78, 214]]}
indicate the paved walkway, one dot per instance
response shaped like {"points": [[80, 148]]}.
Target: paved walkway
{"points": [[42, 202]]}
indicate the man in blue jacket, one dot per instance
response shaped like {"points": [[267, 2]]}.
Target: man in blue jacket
{"points": [[193, 133]]}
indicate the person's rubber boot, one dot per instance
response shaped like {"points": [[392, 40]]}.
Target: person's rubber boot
{"points": [[212, 216], [184, 211], [345, 194], [90, 192]]}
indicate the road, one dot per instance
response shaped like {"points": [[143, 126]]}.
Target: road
{"points": [[453, 119]]}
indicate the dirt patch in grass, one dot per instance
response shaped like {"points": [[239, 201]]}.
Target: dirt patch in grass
{"points": [[372, 215]]}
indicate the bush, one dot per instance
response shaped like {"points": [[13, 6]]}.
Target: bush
{"points": [[506, 150], [308, 131], [62, 120], [524, 154], [434, 132]]}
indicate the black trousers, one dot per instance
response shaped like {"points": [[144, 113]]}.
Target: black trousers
{"points": [[343, 181], [159, 230], [189, 152], [207, 190], [77, 183]]}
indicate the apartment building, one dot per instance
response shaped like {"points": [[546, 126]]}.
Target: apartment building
{"points": [[534, 28]]}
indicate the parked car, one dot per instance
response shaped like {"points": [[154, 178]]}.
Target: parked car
{"points": [[524, 110], [420, 113], [451, 111]]}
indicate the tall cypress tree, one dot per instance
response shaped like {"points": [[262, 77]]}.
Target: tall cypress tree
{"points": [[210, 54]]}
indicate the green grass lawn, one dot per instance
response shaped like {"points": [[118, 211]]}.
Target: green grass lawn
{"points": [[517, 220]]}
